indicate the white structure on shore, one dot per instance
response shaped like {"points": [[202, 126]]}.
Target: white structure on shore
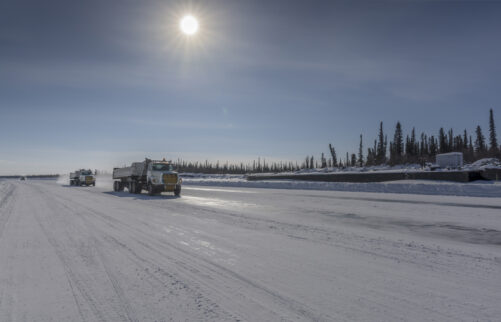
{"points": [[450, 160]]}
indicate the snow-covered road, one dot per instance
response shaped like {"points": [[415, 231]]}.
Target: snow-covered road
{"points": [[89, 254]]}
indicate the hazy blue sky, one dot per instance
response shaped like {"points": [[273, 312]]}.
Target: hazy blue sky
{"points": [[103, 83]]}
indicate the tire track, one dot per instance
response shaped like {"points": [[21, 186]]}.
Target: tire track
{"points": [[193, 272], [126, 312], [207, 306], [6, 206], [73, 279]]}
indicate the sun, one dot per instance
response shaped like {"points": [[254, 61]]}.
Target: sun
{"points": [[189, 25]]}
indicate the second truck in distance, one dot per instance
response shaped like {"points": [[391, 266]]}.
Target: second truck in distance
{"points": [[82, 177], [153, 176]]}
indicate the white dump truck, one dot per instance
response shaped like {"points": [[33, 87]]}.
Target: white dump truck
{"points": [[153, 176], [82, 177]]}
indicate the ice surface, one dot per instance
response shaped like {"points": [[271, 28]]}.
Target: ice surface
{"points": [[231, 253]]}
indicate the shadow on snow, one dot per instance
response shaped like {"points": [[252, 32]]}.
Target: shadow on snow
{"points": [[139, 196]]}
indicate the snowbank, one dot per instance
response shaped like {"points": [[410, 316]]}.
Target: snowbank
{"points": [[422, 187]]}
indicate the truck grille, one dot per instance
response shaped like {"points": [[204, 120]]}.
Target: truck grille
{"points": [[170, 178], [88, 179]]}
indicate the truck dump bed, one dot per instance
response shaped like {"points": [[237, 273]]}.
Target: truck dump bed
{"points": [[137, 169]]}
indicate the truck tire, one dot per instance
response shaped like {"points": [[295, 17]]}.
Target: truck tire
{"points": [[116, 186], [132, 187], [138, 189], [177, 191], [121, 186], [151, 190], [71, 182], [94, 184]]}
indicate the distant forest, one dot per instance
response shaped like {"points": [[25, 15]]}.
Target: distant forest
{"points": [[411, 149]]}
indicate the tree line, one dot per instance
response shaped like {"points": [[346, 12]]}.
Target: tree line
{"points": [[409, 149], [413, 149]]}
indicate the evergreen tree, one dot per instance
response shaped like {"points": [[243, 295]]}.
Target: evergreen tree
{"points": [[442, 141], [450, 143], [465, 140], [471, 150], [333, 155], [353, 160], [479, 142], [370, 157], [360, 153], [494, 147], [381, 146], [396, 149], [413, 144], [433, 147]]}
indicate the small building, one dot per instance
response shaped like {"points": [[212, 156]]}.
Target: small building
{"points": [[450, 160]]}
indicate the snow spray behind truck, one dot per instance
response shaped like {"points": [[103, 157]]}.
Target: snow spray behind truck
{"points": [[82, 177], [153, 176]]}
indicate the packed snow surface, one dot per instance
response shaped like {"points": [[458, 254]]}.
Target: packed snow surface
{"points": [[232, 253]]}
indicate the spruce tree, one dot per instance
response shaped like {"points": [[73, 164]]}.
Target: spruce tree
{"points": [[442, 141], [360, 153], [494, 147], [479, 142], [353, 160], [397, 147], [381, 146], [333, 155]]}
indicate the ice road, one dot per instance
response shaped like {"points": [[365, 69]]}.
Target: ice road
{"points": [[227, 254]]}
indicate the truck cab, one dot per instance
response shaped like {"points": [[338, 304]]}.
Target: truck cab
{"points": [[82, 177], [87, 178], [162, 177]]}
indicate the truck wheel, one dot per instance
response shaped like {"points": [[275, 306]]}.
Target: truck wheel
{"points": [[71, 182], [132, 187], [139, 187], [151, 191], [115, 186], [94, 184], [121, 186], [177, 191]]}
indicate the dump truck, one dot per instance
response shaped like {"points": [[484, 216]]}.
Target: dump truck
{"points": [[151, 175], [82, 177]]}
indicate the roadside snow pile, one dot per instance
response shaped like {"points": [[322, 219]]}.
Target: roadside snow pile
{"points": [[379, 168], [217, 177], [421, 187], [487, 163]]}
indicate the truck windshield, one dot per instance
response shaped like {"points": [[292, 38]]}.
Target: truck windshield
{"points": [[161, 167], [86, 173]]}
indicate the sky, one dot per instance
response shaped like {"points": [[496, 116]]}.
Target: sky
{"points": [[98, 84]]}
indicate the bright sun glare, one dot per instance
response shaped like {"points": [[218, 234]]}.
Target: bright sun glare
{"points": [[189, 25]]}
